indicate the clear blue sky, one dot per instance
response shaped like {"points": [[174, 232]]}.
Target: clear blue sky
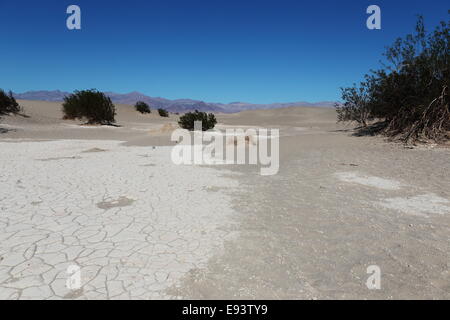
{"points": [[217, 51]]}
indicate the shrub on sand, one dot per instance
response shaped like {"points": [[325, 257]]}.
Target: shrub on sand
{"points": [[7, 103], [142, 107], [163, 113], [92, 105], [187, 121], [411, 94]]}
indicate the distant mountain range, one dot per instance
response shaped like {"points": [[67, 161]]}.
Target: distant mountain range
{"points": [[179, 105]]}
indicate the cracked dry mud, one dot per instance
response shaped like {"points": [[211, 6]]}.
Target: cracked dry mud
{"points": [[132, 230]]}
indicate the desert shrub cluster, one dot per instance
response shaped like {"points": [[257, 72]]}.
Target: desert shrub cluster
{"points": [[92, 105], [410, 94], [8, 103], [142, 107], [163, 113], [187, 120]]}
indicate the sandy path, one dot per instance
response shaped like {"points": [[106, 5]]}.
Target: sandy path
{"points": [[338, 205]]}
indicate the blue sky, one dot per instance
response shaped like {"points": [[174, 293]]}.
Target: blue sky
{"points": [[216, 51]]}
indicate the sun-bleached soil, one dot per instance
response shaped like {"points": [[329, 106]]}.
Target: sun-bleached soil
{"points": [[110, 200]]}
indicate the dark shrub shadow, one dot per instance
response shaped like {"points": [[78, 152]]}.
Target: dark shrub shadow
{"points": [[371, 130], [101, 124], [342, 130], [4, 130]]}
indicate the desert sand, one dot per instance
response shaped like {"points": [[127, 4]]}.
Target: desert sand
{"points": [[109, 200]]}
